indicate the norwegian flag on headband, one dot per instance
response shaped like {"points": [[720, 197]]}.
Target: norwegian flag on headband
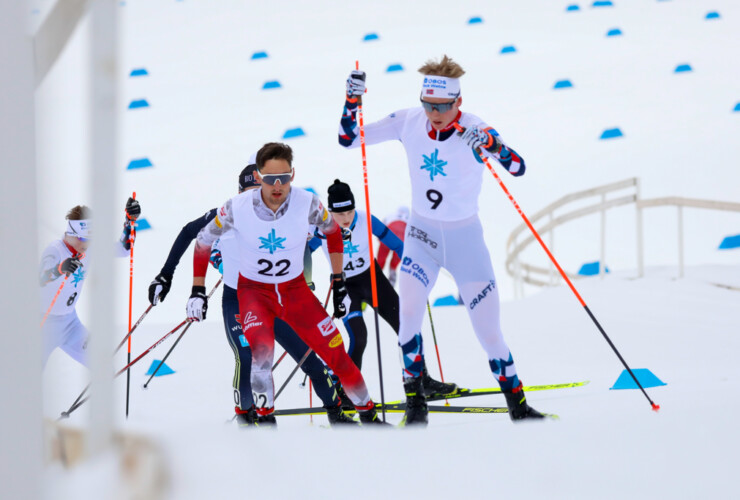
{"points": [[430, 91]]}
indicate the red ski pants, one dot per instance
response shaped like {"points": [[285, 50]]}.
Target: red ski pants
{"points": [[294, 303]]}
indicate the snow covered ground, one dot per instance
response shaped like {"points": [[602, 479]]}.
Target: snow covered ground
{"points": [[209, 113]]}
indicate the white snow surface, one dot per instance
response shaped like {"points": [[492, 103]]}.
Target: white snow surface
{"points": [[208, 114]]}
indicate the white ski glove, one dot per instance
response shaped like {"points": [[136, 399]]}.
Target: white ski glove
{"points": [[356, 84], [478, 138], [197, 304]]}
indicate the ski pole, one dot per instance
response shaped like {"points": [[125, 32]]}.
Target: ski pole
{"points": [[59, 291], [560, 270], [131, 330], [436, 348], [279, 360], [300, 363], [373, 278], [131, 238], [54, 300], [178, 340], [79, 401], [153, 346]]}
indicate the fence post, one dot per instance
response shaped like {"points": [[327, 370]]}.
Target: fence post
{"points": [[680, 241], [638, 211]]}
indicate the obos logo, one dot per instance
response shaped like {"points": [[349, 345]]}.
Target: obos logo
{"points": [[336, 341]]}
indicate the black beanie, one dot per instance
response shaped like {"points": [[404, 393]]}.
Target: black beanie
{"points": [[247, 178], [341, 198]]}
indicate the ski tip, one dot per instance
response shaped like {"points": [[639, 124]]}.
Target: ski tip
{"points": [[656, 408]]}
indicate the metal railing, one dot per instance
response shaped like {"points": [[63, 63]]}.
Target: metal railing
{"points": [[628, 192]]}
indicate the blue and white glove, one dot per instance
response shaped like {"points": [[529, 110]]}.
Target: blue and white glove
{"points": [[356, 83], [217, 260], [478, 138]]}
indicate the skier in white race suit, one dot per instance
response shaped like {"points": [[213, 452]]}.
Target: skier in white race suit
{"points": [[444, 230]]}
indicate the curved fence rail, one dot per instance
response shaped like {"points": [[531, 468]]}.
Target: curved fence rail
{"points": [[608, 196]]}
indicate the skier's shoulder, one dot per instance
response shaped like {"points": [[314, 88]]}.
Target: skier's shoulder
{"points": [[468, 119], [56, 248]]}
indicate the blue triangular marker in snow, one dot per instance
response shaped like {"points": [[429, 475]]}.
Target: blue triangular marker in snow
{"points": [[730, 242], [645, 376], [572, 8], [394, 67], [139, 72], [611, 133], [737, 107], [614, 32], [563, 84], [293, 132], [272, 84], [138, 103], [591, 269], [259, 55], [142, 224], [475, 20], [683, 68], [508, 49], [712, 15], [370, 36], [139, 163], [447, 300], [165, 370]]}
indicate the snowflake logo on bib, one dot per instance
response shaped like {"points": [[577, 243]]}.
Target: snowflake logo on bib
{"points": [[272, 242], [351, 249], [434, 165], [78, 276]]}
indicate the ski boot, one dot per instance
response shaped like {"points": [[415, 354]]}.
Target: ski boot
{"points": [[369, 415], [337, 417], [245, 418], [416, 403], [518, 407], [266, 418], [435, 387]]}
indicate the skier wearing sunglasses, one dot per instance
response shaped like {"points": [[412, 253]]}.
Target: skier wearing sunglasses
{"points": [[444, 229], [270, 225]]}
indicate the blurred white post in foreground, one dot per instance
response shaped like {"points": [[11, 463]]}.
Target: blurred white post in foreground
{"points": [[20, 356], [108, 217]]}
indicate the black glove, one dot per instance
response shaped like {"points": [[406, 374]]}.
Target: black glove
{"points": [[133, 208], [346, 234], [69, 266], [339, 292], [197, 304], [159, 288]]}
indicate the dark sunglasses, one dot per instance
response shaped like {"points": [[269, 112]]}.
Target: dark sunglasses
{"points": [[442, 107], [272, 179]]}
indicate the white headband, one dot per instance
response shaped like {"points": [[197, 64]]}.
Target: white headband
{"points": [[78, 228], [440, 86]]}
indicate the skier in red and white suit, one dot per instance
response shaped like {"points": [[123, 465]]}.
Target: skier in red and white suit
{"points": [[270, 227]]}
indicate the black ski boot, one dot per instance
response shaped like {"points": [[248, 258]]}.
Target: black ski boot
{"points": [[336, 416], [416, 403], [369, 415], [245, 418], [267, 421], [518, 407], [435, 387], [343, 398]]}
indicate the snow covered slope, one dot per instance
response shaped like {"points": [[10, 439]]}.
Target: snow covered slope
{"points": [[208, 113], [607, 444]]}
